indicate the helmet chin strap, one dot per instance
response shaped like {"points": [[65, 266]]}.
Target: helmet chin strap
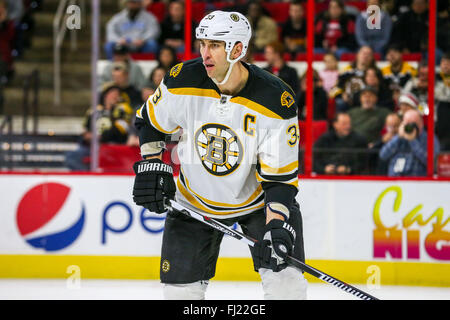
{"points": [[230, 67]]}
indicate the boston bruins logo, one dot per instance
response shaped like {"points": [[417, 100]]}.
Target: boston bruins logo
{"points": [[234, 17], [176, 70], [219, 149], [286, 99], [165, 266]]}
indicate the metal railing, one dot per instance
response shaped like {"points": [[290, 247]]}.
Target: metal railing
{"points": [[31, 86], [6, 131], [6, 124], [59, 32]]}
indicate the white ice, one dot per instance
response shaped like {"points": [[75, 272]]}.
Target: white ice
{"points": [[62, 289]]}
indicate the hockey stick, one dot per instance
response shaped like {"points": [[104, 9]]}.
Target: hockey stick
{"points": [[251, 242]]}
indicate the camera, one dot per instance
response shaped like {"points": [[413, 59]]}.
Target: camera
{"points": [[410, 127]]}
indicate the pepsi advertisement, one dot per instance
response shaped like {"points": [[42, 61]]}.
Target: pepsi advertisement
{"points": [[76, 215], [51, 224]]}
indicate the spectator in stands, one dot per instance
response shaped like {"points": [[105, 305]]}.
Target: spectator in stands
{"points": [[167, 57], [351, 80], [391, 126], [293, 31], [135, 73], [2, 100], [153, 81], [395, 7], [147, 91], [15, 14], [390, 130], [156, 76], [406, 153], [443, 27], [120, 78], [335, 30], [330, 73], [398, 72], [320, 98], [133, 27], [265, 29], [442, 95], [15, 10], [374, 78], [339, 151], [273, 53], [26, 25], [376, 38], [419, 87], [172, 27], [7, 33], [411, 29], [249, 57], [407, 101], [368, 119], [113, 125]]}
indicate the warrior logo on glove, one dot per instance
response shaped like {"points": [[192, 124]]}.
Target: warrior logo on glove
{"points": [[154, 166], [153, 184]]}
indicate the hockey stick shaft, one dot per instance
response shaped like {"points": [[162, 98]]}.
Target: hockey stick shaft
{"points": [[290, 260]]}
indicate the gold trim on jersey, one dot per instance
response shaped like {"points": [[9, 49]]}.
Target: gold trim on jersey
{"points": [[292, 182], [214, 94], [194, 202], [255, 195], [255, 107], [286, 169], [152, 118], [195, 92]]}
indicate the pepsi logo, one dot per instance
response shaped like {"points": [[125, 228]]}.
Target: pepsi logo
{"points": [[50, 216]]}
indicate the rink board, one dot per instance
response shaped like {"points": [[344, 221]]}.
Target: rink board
{"points": [[377, 231]]}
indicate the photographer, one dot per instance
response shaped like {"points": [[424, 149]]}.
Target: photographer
{"points": [[406, 153]]}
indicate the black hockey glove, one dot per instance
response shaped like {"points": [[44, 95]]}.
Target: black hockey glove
{"points": [[276, 245], [153, 183]]}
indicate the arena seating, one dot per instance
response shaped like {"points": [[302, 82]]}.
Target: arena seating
{"points": [[278, 10], [118, 158], [443, 165], [319, 127]]}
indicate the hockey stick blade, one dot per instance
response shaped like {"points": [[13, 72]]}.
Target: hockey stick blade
{"points": [[251, 242]]}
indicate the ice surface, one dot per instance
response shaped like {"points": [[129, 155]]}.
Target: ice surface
{"points": [[62, 289]]}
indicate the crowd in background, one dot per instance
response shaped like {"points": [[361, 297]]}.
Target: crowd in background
{"points": [[16, 30], [376, 116]]}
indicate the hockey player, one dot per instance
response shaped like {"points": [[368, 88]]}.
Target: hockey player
{"points": [[239, 163]]}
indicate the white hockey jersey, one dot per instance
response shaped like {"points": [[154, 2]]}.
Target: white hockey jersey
{"points": [[229, 144]]}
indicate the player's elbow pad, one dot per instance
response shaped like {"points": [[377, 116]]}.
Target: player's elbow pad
{"points": [[280, 193], [151, 140]]}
